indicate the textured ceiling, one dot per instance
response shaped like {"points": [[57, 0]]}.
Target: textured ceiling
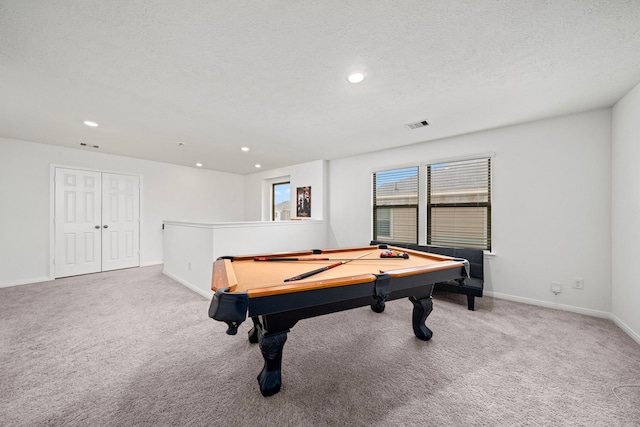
{"points": [[270, 75]]}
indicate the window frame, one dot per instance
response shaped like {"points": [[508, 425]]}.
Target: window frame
{"points": [[415, 207], [273, 199], [423, 212], [486, 204]]}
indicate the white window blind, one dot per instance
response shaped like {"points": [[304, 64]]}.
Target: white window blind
{"points": [[395, 205], [459, 204]]}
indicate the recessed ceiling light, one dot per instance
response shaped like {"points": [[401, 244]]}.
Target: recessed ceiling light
{"points": [[258, 165], [356, 77], [199, 165], [90, 123], [245, 149]]}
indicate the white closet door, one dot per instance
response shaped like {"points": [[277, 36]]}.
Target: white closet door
{"points": [[78, 226], [120, 221]]}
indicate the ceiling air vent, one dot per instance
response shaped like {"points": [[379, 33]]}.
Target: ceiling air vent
{"points": [[417, 125]]}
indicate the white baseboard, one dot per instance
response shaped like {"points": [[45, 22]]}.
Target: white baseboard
{"points": [[150, 263], [627, 329], [24, 281], [586, 311], [547, 304], [194, 288]]}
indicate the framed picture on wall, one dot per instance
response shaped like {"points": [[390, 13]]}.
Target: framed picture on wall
{"points": [[303, 202]]}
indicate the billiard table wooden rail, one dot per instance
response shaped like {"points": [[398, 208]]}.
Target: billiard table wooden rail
{"points": [[224, 278]]}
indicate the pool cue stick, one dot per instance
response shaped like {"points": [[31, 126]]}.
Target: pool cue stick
{"points": [[320, 270], [264, 258]]}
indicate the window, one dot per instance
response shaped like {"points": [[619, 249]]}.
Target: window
{"points": [[280, 201], [395, 205], [459, 204], [454, 210]]}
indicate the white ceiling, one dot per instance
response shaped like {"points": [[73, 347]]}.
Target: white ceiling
{"points": [[270, 75]]}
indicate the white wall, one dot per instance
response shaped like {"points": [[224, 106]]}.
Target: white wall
{"points": [[191, 248], [258, 189], [625, 203], [169, 192], [550, 205]]}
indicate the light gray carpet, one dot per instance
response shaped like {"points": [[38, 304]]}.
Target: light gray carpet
{"points": [[132, 347]]}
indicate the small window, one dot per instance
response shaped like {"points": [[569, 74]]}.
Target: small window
{"points": [[281, 201], [459, 204], [395, 205]]}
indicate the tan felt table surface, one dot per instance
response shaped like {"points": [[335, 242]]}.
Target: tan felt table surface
{"points": [[262, 278]]}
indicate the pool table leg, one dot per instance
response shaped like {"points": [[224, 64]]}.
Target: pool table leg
{"points": [[270, 378], [254, 333], [421, 310]]}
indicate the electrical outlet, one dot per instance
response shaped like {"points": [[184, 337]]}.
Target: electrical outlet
{"points": [[556, 287], [578, 283], [189, 265]]}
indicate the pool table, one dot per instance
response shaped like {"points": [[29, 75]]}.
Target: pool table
{"points": [[270, 290]]}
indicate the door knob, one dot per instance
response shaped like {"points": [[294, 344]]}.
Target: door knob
{"points": [[97, 226], [105, 226]]}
